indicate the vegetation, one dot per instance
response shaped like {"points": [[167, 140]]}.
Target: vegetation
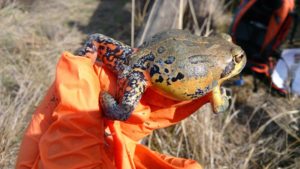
{"points": [[261, 130]]}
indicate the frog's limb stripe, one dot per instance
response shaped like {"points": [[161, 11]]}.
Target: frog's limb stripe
{"points": [[111, 52], [133, 89]]}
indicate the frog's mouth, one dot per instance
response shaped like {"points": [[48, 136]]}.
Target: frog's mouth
{"points": [[228, 69]]}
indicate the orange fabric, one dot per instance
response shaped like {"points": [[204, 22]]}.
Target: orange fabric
{"points": [[68, 129]]}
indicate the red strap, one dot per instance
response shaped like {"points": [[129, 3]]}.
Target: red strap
{"points": [[261, 68]]}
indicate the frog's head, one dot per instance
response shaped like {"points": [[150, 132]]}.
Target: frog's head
{"points": [[235, 59], [230, 62]]}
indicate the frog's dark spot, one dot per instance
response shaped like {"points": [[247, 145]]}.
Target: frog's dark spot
{"points": [[228, 69], [160, 79], [179, 76], [168, 81], [196, 59], [170, 60], [110, 55], [141, 89], [198, 93], [166, 70], [154, 69], [54, 99], [101, 47], [143, 62], [161, 50]]}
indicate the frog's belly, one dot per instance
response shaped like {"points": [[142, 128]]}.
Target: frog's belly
{"points": [[182, 89]]}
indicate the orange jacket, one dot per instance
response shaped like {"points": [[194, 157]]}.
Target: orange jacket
{"points": [[67, 130]]}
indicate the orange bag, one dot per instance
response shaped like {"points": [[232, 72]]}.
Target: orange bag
{"points": [[67, 130]]}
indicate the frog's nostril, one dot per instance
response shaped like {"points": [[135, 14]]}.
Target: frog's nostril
{"points": [[238, 58]]}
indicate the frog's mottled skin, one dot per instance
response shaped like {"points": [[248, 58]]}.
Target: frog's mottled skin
{"points": [[181, 66]]}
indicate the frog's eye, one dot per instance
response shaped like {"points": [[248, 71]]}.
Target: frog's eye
{"points": [[237, 55], [238, 58]]}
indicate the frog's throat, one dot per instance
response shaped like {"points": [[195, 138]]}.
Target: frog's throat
{"points": [[219, 101]]}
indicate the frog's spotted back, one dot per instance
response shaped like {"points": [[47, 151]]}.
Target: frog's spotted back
{"points": [[187, 66]]}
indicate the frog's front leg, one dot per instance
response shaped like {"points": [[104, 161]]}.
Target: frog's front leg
{"points": [[219, 100], [131, 93], [108, 50]]}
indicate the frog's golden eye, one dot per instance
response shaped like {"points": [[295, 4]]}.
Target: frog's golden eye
{"points": [[238, 58], [237, 55]]}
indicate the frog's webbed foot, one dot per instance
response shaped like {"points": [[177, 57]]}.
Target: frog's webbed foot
{"points": [[133, 88], [89, 46], [220, 100]]}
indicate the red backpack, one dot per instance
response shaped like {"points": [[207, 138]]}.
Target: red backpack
{"points": [[260, 27]]}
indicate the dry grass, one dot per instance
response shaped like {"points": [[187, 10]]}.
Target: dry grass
{"points": [[31, 41], [244, 137], [259, 131]]}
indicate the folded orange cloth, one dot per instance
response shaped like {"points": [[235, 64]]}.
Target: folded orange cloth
{"points": [[67, 130]]}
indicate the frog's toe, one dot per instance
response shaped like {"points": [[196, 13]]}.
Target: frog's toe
{"points": [[111, 109]]}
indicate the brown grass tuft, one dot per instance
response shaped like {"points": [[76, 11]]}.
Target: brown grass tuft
{"points": [[31, 41]]}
